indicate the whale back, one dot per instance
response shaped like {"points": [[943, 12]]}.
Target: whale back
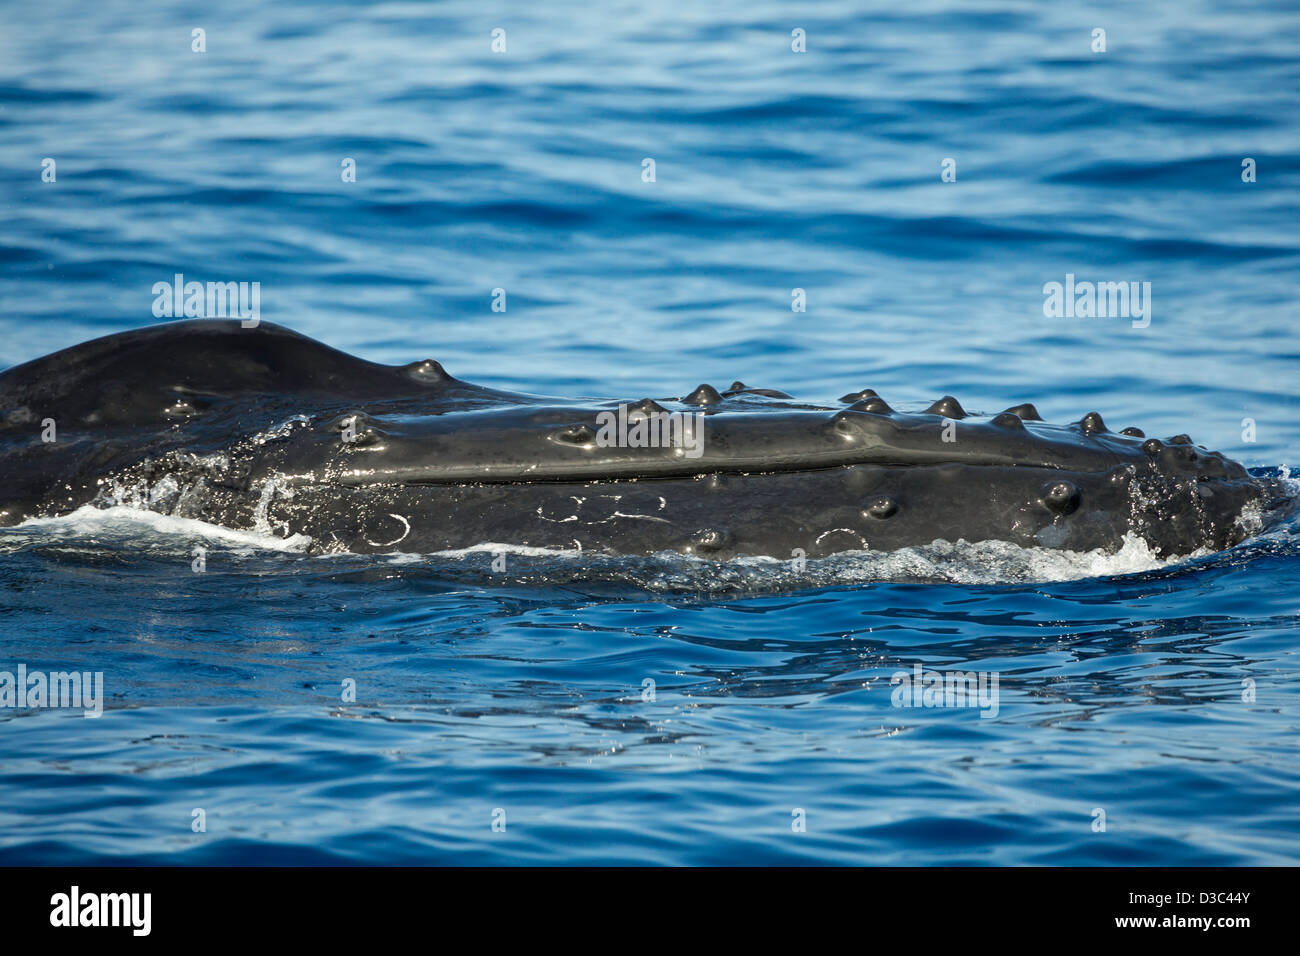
{"points": [[210, 420]]}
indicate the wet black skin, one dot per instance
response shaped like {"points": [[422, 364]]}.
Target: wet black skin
{"points": [[263, 428]]}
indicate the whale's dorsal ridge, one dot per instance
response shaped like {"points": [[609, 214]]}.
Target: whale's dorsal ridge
{"points": [[152, 374]]}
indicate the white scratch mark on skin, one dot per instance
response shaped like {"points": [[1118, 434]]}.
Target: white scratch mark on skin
{"points": [[615, 514], [395, 540], [826, 534], [572, 517]]}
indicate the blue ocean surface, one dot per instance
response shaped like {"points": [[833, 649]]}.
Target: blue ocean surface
{"points": [[666, 710]]}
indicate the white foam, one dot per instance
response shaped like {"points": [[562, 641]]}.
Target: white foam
{"points": [[959, 562], [989, 562], [120, 521], [1290, 479]]}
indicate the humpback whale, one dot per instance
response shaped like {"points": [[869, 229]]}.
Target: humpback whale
{"points": [[265, 429]]}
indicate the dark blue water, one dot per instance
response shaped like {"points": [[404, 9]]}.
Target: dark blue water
{"points": [[1165, 695]]}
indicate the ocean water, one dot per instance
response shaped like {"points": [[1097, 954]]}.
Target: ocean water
{"points": [[663, 710]]}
